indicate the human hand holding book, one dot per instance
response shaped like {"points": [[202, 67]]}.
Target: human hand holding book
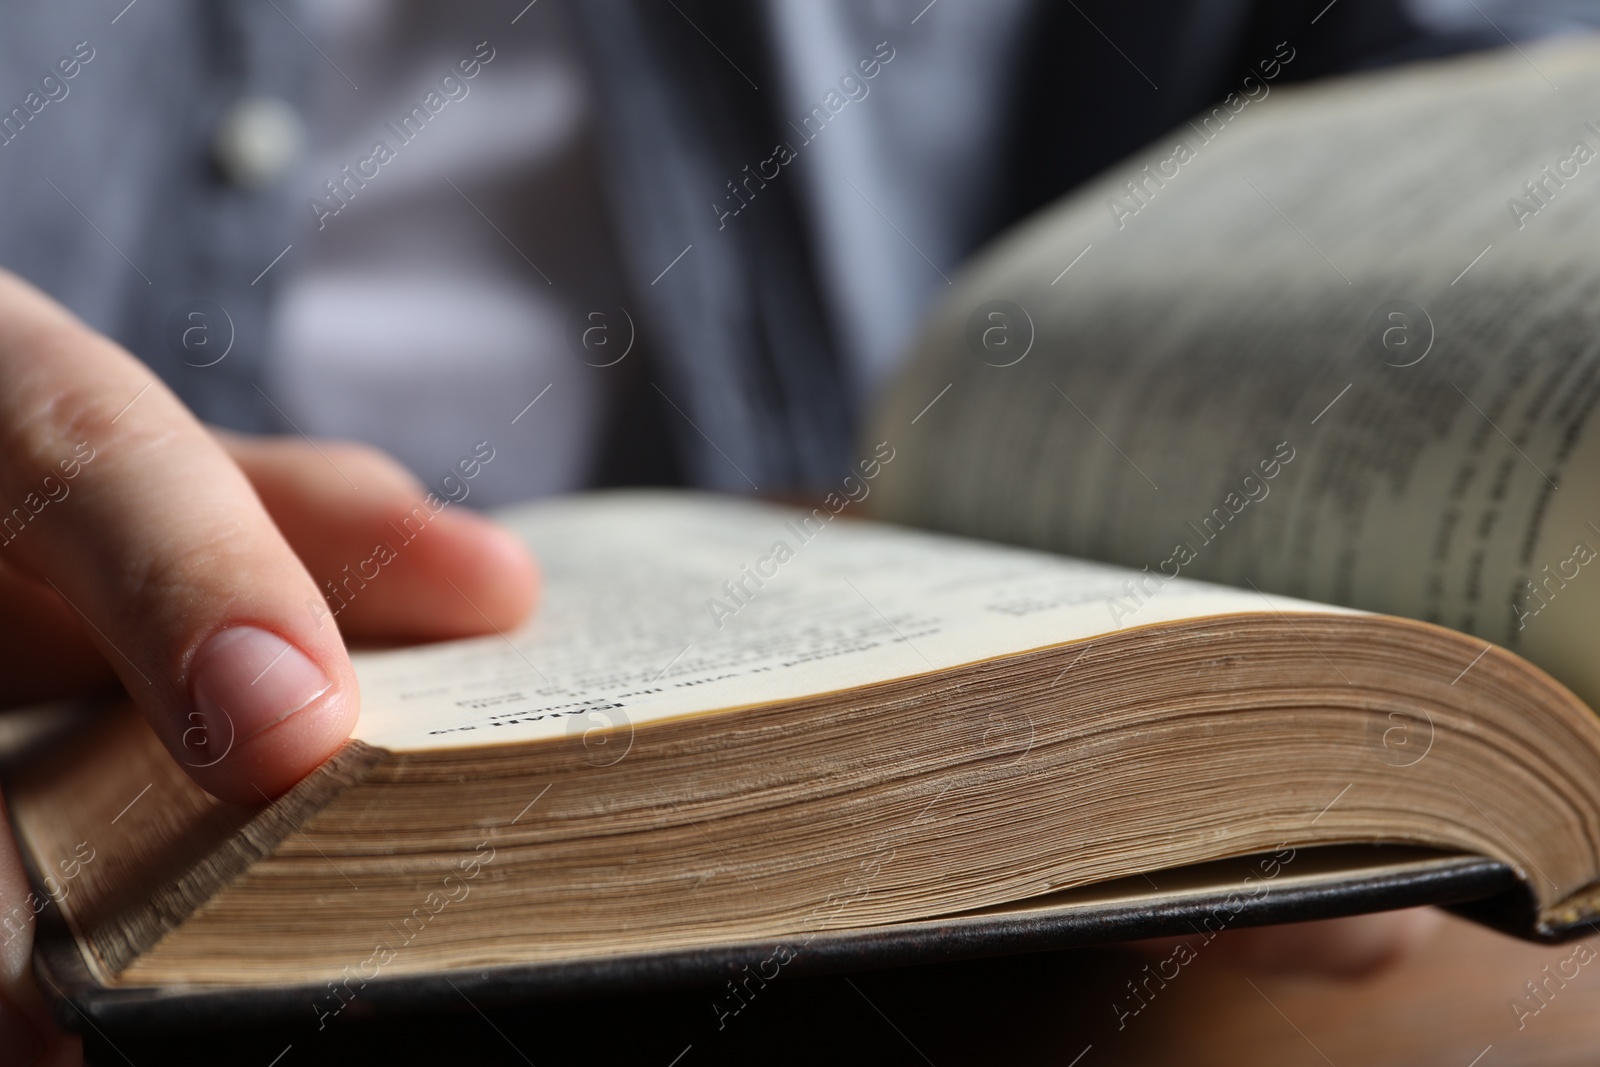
{"points": [[187, 565], [150, 535]]}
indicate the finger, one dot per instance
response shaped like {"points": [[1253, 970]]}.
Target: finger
{"points": [[27, 1034], [45, 653], [123, 504], [391, 560], [1352, 947]]}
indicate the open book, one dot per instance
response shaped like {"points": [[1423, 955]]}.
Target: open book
{"points": [[746, 734]]}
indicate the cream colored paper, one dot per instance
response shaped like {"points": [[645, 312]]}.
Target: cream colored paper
{"points": [[1358, 274], [627, 632]]}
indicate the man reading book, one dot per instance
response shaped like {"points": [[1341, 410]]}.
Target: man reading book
{"points": [[218, 577]]}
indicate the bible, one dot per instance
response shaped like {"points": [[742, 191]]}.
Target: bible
{"points": [[1221, 558]]}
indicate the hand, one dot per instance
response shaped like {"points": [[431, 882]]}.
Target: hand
{"points": [[136, 546], [1352, 947]]}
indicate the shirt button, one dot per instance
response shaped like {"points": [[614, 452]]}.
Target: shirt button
{"points": [[257, 141]]}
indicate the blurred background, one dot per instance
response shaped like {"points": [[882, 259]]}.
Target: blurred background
{"points": [[673, 222]]}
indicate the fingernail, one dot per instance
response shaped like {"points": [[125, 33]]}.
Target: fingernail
{"points": [[19, 1035], [246, 680]]}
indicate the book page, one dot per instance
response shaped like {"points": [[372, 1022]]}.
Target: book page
{"points": [[1341, 342], [659, 604]]}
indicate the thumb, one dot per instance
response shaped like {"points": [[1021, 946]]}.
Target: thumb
{"points": [[114, 495]]}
